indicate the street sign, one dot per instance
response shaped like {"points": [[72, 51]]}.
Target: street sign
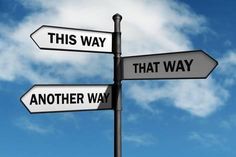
{"points": [[178, 65], [59, 98], [71, 39]]}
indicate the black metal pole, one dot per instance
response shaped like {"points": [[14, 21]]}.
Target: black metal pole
{"points": [[117, 87]]}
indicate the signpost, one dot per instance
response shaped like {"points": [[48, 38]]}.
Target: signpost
{"points": [[178, 65], [117, 87], [71, 39], [58, 98]]}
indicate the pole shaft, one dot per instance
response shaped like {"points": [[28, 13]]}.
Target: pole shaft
{"points": [[117, 88]]}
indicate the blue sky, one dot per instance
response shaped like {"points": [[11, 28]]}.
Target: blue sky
{"points": [[160, 118]]}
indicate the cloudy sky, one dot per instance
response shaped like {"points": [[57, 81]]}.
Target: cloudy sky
{"points": [[160, 117]]}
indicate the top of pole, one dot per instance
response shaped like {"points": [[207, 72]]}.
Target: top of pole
{"points": [[117, 18]]}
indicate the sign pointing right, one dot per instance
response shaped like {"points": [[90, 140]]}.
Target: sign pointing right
{"points": [[178, 65]]}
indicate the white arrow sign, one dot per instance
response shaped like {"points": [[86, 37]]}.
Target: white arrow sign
{"points": [[71, 39], [178, 65], [58, 98]]}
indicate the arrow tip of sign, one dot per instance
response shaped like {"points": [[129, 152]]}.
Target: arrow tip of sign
{"points": [[35, 33], [24, 104], [31, 35], [23, 100], [214, 62]]}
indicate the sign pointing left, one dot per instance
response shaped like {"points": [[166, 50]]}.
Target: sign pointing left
{"points": [[60, 98], [71, 39]]}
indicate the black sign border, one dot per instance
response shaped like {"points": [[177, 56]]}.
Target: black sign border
{"points": [[85, 30], [110, 85], [178, 78]]}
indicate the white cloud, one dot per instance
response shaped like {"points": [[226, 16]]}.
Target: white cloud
{"points": [[68, 118], [227, 67], [132, 118], [229, 122], [208, 140], [26, 124], [139, 139], [227, 43], [49, 125], [147, 26], [199, 97]]}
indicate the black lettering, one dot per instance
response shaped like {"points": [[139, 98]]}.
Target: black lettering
{"points": [[169, 66], [66, 38], [95, 42], [57, 95], [92, 97], [33, 100], [100, 98], [72, 39], [59, 38], [149, 68], [156, 66], [106, 95], [65, 98], [50, 99], [188, 64], [102, 40], [142, 67], [135, 67], [180, 66], [51, 37], [86, 41], [73, 98], [42, 99], [80, 98]]}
